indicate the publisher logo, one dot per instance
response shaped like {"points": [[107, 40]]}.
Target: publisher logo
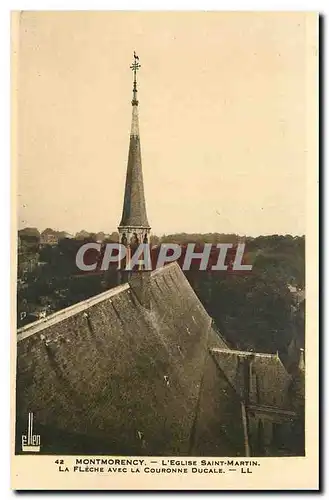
{"points": [[30, 441]]}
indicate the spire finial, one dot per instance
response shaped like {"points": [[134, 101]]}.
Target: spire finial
{"points": [[135, 67]]}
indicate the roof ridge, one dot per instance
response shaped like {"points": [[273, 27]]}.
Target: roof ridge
{"points": [[57, 316], [36, 326], [244, 353], [263, 355]]}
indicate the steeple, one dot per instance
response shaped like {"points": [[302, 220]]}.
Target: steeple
{"points": [[134, 228], [134, 218]]}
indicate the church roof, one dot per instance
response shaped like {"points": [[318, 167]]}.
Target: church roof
{"points": [[115, 375], [109, 375], [262, 375]]}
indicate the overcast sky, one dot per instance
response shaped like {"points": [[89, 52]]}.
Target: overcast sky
{"points": [[223, 115]]}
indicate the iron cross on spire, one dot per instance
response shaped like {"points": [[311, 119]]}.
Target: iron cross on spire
{"points": [[135, 67]]}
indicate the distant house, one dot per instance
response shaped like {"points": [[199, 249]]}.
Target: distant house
{"points": [[100, 237], [82, 235], [62, 235], [49, 237], [28, 239]]}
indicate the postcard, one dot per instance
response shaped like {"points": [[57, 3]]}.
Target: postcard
{"points": [[164, 250]]}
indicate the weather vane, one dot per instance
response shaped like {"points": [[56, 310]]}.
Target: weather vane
{"points": [[135, 67]]}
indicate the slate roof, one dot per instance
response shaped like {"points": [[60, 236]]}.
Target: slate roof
{"points": [[120, 376], [111, 376], [259, 377]]}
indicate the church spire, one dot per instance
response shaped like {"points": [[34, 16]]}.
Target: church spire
{"points": [[134, 209]]}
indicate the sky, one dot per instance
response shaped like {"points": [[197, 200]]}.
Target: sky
{"points": [[223, 113]]}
